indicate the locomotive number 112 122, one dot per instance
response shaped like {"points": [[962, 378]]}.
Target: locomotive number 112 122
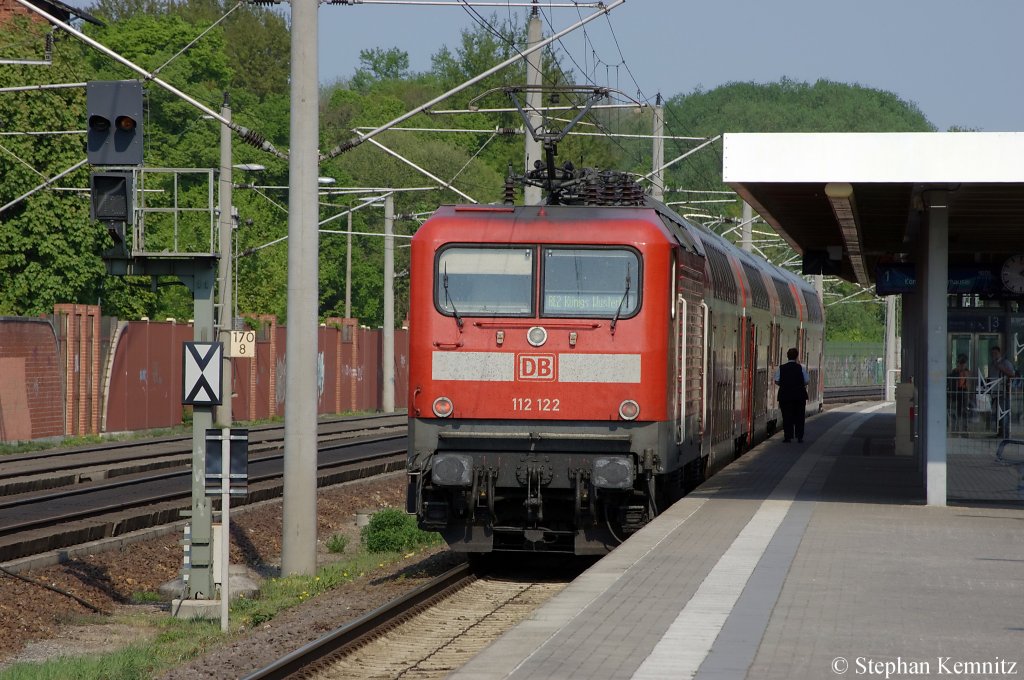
{"points": [[528, 404]]}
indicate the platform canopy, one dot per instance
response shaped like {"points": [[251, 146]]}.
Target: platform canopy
{"points": [[858, 197]]}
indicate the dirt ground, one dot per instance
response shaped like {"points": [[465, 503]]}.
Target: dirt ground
{"points": [[36, 623]]}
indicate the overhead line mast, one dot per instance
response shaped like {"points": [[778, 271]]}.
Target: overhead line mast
{"points": [[356, 141], [532, 194]]}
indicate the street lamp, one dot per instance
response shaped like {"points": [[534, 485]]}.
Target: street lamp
{"points": [[249, 167]]}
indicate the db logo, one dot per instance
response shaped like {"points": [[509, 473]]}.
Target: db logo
{"points": [[536, 367]]}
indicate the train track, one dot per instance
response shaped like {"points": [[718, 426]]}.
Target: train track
{"points": [[340, 640], [50, 518], [851, 393], [426, 633], [60, 467]]}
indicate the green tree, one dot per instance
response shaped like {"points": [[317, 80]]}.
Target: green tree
{"points": [[49, 250], [853, 317], [378, 64]]}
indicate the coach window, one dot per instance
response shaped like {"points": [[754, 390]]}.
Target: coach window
{"points": [[485, 281], [598, 282]]}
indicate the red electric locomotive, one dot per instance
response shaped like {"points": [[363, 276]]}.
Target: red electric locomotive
{"points": [[574, 369]]}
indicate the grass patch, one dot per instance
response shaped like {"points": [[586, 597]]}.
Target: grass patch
{"points": [[336, 543], [87, 440], [392, 530], [42, 445], [279, 594], [146, 597], [184, 428], [178, 641]]}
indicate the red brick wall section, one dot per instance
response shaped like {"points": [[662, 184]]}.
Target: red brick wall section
{"points": [[10, 9], [280, 374], [272, 376], [78, 327], [261, 371], [327, 368], [145, 380], [41, 361], [347, 369], [354, 369], [401, 368], [368, 370], [31, 390]]}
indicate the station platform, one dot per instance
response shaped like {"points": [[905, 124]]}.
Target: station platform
{"points": [[814, 560]]}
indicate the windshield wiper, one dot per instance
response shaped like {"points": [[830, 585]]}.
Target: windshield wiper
{"points": [[448, 299], [618, 310]]}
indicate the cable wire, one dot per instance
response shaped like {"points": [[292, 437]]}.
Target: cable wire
{"points": [[182, 51], [59, 591]]}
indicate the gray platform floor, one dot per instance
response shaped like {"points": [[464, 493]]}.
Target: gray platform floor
{"points": [[814, 560]]}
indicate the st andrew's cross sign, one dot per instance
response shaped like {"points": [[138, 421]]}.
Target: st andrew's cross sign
{"points": [[201, 373]]}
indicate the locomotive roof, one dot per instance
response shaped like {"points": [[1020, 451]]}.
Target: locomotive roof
{"points": [[752, 259], [688, 234]]}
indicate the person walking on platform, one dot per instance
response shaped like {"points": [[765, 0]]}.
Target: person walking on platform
{"points": [[1001, 369], [958, 396], [792, 379]]}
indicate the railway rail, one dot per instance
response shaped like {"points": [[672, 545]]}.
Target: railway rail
{"points": [[851, 393], [53, 468], [64, 497], [50, 518], [430, 631], [339, 641]]}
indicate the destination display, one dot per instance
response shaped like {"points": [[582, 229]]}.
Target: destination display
{"points": [[901, 277]]}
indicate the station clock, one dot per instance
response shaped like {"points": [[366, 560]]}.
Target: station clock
{"points": [[1013, 274]]}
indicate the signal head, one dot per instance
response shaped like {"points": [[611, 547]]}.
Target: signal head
{"points": [[125, 123], [114, 109], [99, 123]]}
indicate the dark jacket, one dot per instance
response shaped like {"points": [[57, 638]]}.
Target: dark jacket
{"points": [[791, 382]]}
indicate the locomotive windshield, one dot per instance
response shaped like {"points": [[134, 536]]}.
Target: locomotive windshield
{"points": [[576, 282], [601, 282], [485, 281]]}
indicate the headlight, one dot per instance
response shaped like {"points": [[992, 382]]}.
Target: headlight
{"points": [[442, 407], [452, 469], [629, 410], [536, 336], [613, 473]]}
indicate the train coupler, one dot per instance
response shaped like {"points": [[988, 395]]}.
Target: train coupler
{"points": [[633, 517], [534, 502], [583, 500], [435, 516]]}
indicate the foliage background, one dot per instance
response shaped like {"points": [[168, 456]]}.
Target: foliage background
{"points": [[50, 250]]}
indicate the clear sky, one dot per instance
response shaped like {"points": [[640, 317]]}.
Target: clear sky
{"points": [[958, 61]]}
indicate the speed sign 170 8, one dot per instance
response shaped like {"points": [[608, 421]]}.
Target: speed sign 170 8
{"points": [[243, 345]]}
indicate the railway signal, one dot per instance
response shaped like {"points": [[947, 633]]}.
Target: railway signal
{"points": [[111, 200], [114, 108]]}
